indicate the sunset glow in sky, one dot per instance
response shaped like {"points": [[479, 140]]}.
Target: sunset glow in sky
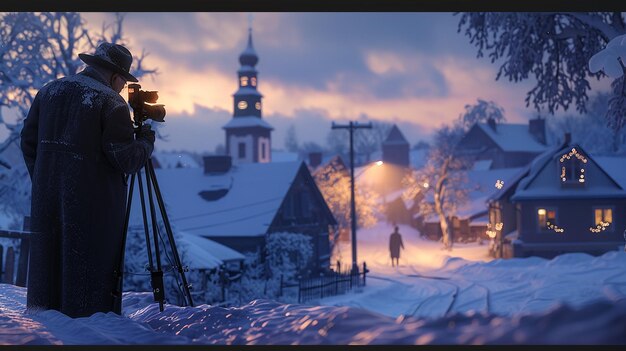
{"points": [[412, 69]]}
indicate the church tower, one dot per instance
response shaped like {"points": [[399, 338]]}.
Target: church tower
{"points": [[248, 137]]}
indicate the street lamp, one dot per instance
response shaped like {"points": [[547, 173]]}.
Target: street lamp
{"points": [[351, 127]]}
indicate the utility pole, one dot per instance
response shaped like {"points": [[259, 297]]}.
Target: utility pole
{"points": [[351, 127]]}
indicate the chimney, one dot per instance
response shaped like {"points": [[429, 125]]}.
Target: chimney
{"points": [[492, 123], [215, 164], [315, 159], [537, 128]]}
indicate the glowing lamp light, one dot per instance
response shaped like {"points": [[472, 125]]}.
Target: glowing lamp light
{"points": [[425, 185], [379, 163], [499, 184]]}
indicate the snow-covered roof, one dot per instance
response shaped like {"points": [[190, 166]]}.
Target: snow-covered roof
{"points": [[481, 220], [482, 165], [174, 160], [247, 121], [203, 253], [615, 166], [512, 137], [284, 156], [543, 181], [252, 194]]}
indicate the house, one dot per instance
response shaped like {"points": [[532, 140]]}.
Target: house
{"points": [[503, 145], [173, 160], [240, 205], [565, 201]]}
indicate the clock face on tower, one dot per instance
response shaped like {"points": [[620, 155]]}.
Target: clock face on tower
{"points": [[258, 106], [242, 105]]}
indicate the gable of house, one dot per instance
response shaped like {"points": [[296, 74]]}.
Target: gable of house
{"points": [[547, 177], [506, 145]]}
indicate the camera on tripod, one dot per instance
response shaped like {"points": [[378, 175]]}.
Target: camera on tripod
{"points": [[144, 104]]}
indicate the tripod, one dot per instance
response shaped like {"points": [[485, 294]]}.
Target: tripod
{"points": [[156, 275]]}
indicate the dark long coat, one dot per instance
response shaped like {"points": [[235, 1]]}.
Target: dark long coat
{"points": [[395, 243], [78, 144]]}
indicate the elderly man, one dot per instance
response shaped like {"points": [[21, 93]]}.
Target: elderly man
{"points": [[79, 144]]}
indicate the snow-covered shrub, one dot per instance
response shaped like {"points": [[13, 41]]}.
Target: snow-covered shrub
{"points": [[288, 254]]}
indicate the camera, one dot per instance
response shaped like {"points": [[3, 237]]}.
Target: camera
{"points": [[144, 104]]}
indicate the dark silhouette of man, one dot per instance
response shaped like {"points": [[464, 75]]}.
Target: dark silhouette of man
{"points": [[79, 145], [395, 243]]}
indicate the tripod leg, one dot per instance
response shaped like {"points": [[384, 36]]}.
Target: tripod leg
{"points": [[145, 222], [158, 287], [118, 277], [168, 229]]}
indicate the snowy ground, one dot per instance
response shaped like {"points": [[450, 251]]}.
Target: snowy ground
{"points": [[434, 297]]}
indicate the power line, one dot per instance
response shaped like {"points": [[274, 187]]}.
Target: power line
{"points": [[227, 209], [230, 221]]}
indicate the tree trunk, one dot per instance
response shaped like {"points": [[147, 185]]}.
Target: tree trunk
{"points": [[440, 189], [443, 224]]}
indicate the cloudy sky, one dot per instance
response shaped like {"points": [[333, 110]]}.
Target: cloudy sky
{"points": [[412, 69]]}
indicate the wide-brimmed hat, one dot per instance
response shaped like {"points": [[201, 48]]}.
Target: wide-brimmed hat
{"points": [[111, 56]]}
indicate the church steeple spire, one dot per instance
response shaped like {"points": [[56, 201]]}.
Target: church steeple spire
{"points": [[249, 57], [247, 134]]}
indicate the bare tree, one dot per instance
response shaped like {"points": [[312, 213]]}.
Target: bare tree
{"points": [[333, 180], [481, 111], [369, 141], [37, 48], [442, 181]]}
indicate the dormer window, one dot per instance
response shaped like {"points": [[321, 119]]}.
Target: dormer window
{"points": [[572, 168], [244, 81]]}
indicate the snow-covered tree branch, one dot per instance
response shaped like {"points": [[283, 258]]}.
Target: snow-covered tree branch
{"points": [[553, 48], [36, 48]]}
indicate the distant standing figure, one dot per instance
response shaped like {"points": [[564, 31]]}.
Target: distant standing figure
{"points": [[395, 243]]}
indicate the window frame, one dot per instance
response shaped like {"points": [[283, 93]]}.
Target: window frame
{"points": [[546, 229], [611, 227]]}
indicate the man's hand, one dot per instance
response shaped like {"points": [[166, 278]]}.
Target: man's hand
{"points": [[146, 133]]}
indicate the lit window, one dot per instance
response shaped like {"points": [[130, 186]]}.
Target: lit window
{"points": [[603, 217], [244, 81], [546, 218], [572, 168], [242, 105], [257, 106], [253, 81]]}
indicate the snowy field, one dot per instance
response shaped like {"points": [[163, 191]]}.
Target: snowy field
{"points": [[434, 297]]}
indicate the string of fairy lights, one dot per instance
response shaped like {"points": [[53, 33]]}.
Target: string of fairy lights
{"points": [[568, 156]]}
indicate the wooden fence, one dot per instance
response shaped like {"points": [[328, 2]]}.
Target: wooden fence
{"points": [[336, 282], [14, 267]]}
